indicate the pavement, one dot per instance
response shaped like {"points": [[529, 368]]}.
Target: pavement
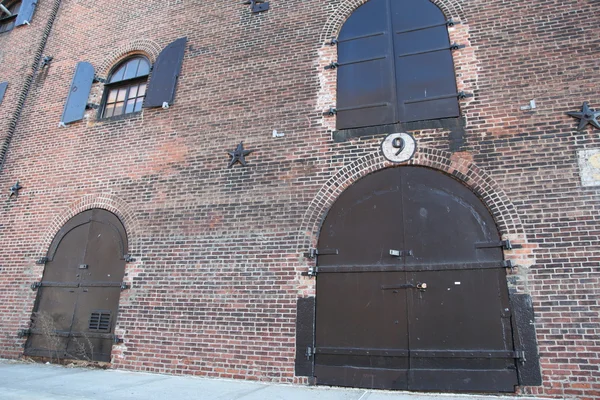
{"points": [[30, 381]]}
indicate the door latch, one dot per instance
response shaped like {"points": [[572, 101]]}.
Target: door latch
{"points": [[400, 253]]}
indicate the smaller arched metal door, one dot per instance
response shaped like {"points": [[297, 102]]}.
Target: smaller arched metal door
{"points": [[78, 298], [415, 294]]}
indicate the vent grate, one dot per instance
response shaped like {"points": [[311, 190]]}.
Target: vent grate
{"points": [[100, 321]]}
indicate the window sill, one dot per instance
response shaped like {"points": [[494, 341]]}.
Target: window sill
{"points": [[119, 117], [452, 124]]}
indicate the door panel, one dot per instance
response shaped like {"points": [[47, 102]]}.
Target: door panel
{"points": [[434, 316], [78, 299]]}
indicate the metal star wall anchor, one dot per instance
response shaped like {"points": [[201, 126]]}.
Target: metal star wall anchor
{"points": [[586, 116], [14, 190], [238, 155]]}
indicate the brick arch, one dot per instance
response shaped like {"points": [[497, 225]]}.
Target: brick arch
{"points": [[450, 8], [146, 47], [492, 195], [108, 202]]}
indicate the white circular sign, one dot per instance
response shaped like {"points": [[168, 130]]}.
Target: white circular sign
{"points": [[398, 147]]}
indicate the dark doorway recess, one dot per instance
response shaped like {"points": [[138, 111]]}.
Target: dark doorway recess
{"points": [[410, 301], [78, 298]]}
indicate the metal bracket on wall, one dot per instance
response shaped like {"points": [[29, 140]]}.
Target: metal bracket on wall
{"points": [[93, 106], [333, 65], [128, 258], [35, 285], [257, 6], [42, 260], [98, 79], [125, 286], [117, 340], [508, 264], [331, 112]]}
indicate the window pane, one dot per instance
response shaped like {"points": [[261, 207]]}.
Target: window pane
{"points": [[118, 75], [119, 108], [133, 91], [121, 95], [108, 111], [138, 104], [144, 68], [130, 105], [142, 90], [112, 96], [131, 68]]}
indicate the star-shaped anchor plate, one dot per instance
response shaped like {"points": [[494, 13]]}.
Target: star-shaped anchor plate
{"points": [[586, 116], [238, 155], [14, 190]]}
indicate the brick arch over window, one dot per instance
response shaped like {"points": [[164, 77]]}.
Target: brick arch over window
{"points": [[450, 8], [106, 202], [142, 46], [492, 195]]}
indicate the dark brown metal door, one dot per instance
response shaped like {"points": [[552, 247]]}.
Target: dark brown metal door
{"points": [[78, 296], [410, 301]]}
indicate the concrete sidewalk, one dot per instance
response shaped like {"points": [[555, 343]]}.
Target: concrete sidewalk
{"points": [[27, 381]]}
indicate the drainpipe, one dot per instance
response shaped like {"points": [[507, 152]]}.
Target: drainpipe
{"points": [[27, 85]]}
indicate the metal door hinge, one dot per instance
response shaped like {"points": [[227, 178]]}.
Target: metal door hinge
{"points": [[520, 355], [128, 258], [331, 112], [508, 264], [312, 271], [309, 353], [36, 285], [505, 244], [92, 106], [98, 79], [23, 332], [333, 42], [333, 65], [42, 261], [313, 253], [125, 286]]}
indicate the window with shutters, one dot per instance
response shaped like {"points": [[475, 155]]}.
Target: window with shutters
{"points": [[126, 87], [395, 65], [8, 15]]}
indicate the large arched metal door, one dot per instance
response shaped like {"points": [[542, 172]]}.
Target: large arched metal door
{"points": [[77, 303], [416, 297]]}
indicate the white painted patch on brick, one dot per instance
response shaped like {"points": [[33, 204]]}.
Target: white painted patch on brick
{"points": [[589, 167]]}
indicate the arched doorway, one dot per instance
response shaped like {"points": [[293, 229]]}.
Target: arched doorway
{"points": [[411, 288], [76, 307]]}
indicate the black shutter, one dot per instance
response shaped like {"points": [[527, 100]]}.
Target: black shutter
{"points": [[25, 12], [305, 336], [525, 339], [426, 81], [165, 72], [365, 78], [3, 86], [78, 93]]}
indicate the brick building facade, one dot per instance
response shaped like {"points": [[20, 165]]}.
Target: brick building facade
{"points": [[217, 253]]}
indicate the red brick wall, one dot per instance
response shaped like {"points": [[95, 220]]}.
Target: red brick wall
{"points": [[219, 251]]}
